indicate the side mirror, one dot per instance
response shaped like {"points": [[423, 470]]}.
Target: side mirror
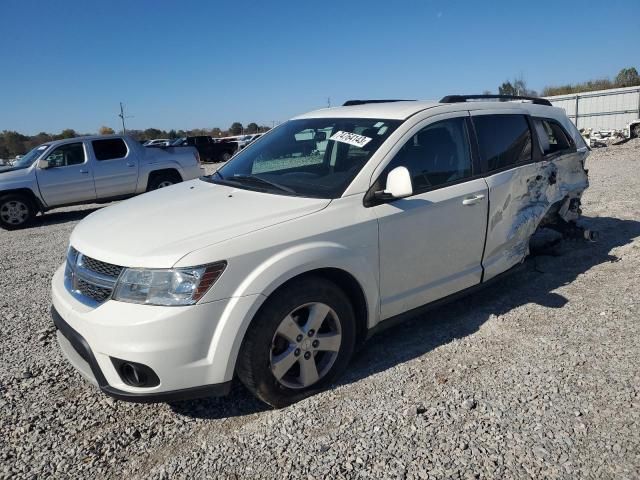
{"points": [[398, 184], [43, 164]]}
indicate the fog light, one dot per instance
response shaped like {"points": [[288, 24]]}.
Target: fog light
{"points": [[135, 374]]}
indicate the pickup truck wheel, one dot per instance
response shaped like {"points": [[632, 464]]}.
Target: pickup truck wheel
{"points": [[16, 211], [300, 341], [636, 131], [226, 156], [162, 181]]}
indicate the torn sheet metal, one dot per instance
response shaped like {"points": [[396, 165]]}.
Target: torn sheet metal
{"points": [[523, 198]]}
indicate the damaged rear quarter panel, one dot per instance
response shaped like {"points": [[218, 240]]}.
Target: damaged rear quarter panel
{"points": [[521, 198]]}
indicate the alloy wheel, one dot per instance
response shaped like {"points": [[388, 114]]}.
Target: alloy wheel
{"points": [[14, 212], [305, 346]]}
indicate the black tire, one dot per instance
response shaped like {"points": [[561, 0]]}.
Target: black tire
{"points": [[254, 361], [163, 180], [12, 219], [636, 130], [226, 156]]}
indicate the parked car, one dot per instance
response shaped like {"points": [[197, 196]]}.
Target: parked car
{"points": [[88, 170], [634, 129], [334, 225], [158, 142], [209, 149]]}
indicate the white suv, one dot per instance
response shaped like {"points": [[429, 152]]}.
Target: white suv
{"points": [[276, 267]]}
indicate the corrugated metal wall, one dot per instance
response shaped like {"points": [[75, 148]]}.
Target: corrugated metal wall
{"points": [[603, 109]]}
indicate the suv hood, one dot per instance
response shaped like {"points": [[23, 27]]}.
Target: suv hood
{"points": [[158, 228]]}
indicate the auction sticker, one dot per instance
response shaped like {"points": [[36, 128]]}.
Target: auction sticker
{"points": [[350, 138]]}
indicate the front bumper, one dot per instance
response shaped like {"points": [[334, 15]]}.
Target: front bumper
{"points": [[191, 349], [79, 354]]}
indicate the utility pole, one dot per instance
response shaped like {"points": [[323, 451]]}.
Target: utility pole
{"points": [[122, 117], [328, 102]]}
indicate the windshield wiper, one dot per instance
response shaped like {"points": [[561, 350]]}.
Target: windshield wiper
{"points": [[256, 179]]}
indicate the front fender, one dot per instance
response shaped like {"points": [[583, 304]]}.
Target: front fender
{"points": [[272, 273]]}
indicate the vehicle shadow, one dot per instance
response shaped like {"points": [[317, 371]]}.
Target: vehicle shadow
{"points": [[535, 283], [55, 217]]}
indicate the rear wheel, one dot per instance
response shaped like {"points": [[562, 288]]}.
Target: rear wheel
{"points": [[636, 131], [16, 211], [162, 181], [299, 342], [226, 156]]}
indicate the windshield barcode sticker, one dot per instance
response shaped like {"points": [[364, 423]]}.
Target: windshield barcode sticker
{"points": [[350, 138]]}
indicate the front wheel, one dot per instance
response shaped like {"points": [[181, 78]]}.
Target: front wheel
{"points": [[636, 131], [226, 156], [16, 211], [299, 342]]}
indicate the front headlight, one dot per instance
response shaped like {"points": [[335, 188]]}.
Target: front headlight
{"points": [[176, 286]]}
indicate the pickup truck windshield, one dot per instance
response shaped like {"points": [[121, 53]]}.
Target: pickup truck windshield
{"points": [[27, 160], [316, 157]]}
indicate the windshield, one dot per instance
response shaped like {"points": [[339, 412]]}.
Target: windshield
{"points": [[30, 157], [315, 157]]}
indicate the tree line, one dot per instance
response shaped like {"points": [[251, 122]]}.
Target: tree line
{"points": [[14, 143], [627, 77]]}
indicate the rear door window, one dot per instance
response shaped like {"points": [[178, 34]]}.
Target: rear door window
{"points": [[504, 140], [109, 148]]}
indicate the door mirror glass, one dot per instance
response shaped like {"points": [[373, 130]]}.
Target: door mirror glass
{"points": [[399, 183]]}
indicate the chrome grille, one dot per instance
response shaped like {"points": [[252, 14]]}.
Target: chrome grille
{"points": [[91, 278], [99, 294], [101, 267]]}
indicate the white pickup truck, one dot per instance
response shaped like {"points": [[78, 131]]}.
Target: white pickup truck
{"points": [[88, 170]]}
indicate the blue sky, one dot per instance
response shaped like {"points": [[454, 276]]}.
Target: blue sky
{"points": [[67, 64]]}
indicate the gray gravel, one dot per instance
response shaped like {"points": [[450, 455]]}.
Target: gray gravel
{"points": [[536, 377]]}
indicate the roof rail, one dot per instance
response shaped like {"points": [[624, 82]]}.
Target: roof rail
{"points": [[350, 103], [464, 98]]}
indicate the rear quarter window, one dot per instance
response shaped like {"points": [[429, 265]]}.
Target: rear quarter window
{"points": [[504, 140]]}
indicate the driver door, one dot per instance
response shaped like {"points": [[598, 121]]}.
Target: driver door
{"points": [[68, 177], [431, 243]]}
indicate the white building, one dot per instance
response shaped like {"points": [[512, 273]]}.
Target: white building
{"points": [[601, 110]]}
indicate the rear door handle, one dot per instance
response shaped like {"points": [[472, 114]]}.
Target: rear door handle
{"points": [[473, 200], [131, 164], [82, 170]]}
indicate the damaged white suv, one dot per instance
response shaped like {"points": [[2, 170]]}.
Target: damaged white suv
{"points": [[275, 268]]}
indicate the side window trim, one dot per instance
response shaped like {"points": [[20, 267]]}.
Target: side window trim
{"points": [[549, 156], [536, 154], [476, 171], [84, 152], [93, 150]]}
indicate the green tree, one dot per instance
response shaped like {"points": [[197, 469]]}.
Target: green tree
{"points": [[173, 134], [67, 133], [627, 77], [106, 131], [236, 128], [518, 87], [152, 133], [14, 143], [252, 128]]}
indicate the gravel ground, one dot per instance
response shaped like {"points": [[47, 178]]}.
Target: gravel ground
{"points": [[536, 377]]}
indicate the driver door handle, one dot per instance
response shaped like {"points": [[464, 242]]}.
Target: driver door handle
{"points": [[82, 170], [473, 200], [129, 164]]}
